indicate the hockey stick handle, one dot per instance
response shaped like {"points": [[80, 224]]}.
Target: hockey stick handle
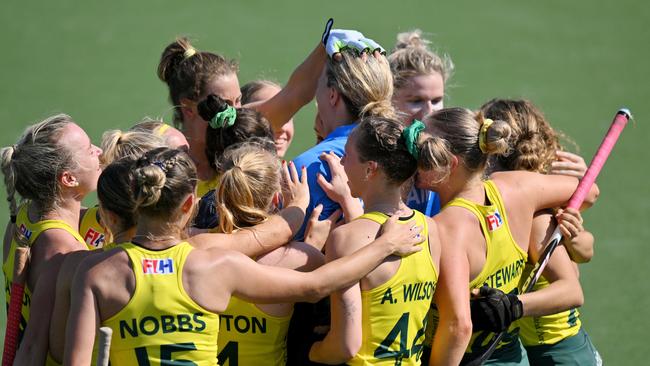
{"points": [[14, 313], [620, 121], [578, 197], [104, 349]]}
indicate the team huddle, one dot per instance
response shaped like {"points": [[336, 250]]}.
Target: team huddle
{"points": [[411, 228]]}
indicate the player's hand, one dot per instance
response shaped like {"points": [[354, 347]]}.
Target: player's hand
{"points": [[402, 238], [493, 310], [295, 190], [569, 221], [317, 230], [337, 40], [337, 188], [568, 164]]}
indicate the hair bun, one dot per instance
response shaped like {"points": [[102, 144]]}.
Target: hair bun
{"points": [[150, 180], [497, 136], [412, 39]]}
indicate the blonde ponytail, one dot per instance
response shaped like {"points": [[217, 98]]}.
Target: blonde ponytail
{"points": [[6, 157], [250, 177]]}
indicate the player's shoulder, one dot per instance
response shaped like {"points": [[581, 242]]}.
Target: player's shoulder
{"points": [[97, 265], [346, 239]]}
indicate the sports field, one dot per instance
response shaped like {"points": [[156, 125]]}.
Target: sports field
{"points": [[578, 60]]}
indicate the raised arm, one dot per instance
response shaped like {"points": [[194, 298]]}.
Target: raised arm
{"points": [[298, 91]]}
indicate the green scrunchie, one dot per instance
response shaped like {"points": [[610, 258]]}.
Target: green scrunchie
{"points": [[411, 135], [225, 118]]}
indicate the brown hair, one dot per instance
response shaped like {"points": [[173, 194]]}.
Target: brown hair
{"points": [[117, 144], [534, 141], [412, 57], [162, 178], [249, 90], [366, 85], [33, 165], [187, 72], [380, 139], [114, 191], [250, 178], [460, 128], [248, 124]]}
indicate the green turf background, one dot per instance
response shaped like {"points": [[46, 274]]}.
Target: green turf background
{"points": [[578, 60]]}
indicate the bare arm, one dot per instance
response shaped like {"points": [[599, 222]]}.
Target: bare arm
{"points": [[564, 291], [545, 191], [452, 298], [274, 232], [242, 277], [335, 275], [47, 256], [83, 320], [344, 337], [300, 89], [578, 242]]}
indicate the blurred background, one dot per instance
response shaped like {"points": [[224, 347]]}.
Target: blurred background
{"points": [[579, 61]]}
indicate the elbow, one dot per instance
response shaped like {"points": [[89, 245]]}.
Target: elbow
{"points": [[349, 350], [578, 297], [592, 197], [460, 328]]}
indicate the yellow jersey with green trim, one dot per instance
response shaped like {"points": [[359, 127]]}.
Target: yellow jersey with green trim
{"points": [[204, 186], [91, 229], [249, 336], [30, 231], [547, 329], [161, 324], [505, 259], [394, 313]]}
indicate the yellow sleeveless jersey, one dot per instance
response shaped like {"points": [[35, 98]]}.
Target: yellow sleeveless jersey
{"points": [[249, 336], [204, 186], [547, 329], [505, 260], [394, 313], [91, 229], [161, 324], [30, 231]]}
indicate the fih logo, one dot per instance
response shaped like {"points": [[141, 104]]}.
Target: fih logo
{"points": [[157, 266], [24, 231], [494, 220], [94, 238]]}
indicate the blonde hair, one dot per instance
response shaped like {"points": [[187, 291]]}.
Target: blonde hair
{"points": [[118, 144], [33, 165], [412, 57], [460, 129], [365, 84], [250, 178], [188, 72], [534, 141]]}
